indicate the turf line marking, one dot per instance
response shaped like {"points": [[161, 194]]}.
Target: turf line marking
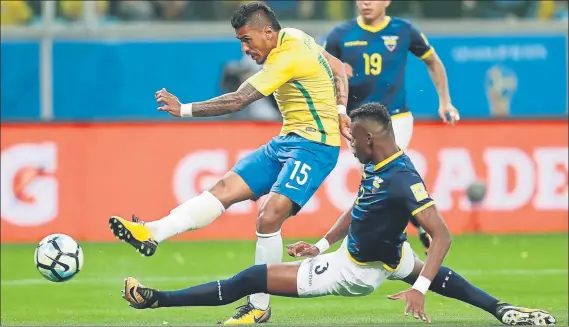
{"points": [[200, 279]]}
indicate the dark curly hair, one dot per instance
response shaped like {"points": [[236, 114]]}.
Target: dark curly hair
{"points": [[374, 111], [246, 14]]}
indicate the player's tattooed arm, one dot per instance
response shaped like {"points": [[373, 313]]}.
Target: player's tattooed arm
{"points": [[227, 103], [221, 105], [340, 78], [341, 89], [431, 220]]}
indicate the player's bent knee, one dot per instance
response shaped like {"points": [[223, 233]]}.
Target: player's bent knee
{"points": [[282, 278], [269, 222], [273, 214], [221, 191], [231, 189]]}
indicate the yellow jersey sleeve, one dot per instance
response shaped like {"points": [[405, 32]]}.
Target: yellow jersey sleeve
{"points": [[277, 70], [302, 83], [319, 48]]}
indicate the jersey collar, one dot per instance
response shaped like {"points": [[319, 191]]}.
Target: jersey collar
{"points": [[280, 37], [373, 29], [388, 160]]}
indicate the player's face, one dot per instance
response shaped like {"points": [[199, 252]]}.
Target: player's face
{"points": [[255, 42], [361, 142], [371, 10]]}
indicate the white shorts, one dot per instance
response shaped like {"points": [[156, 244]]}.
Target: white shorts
{"points": [[403, 128], [337, 273]]}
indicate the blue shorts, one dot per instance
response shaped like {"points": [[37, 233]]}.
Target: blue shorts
{"points": [[289, 165]]}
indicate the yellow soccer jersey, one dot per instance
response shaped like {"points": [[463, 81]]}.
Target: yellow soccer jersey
{"points": [[303, 85]]}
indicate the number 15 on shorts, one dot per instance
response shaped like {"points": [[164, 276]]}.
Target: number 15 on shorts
{"points": [[299, 175]]}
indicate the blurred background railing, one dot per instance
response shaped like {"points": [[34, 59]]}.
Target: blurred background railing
{"points": [[18, 12], [83, 60]]}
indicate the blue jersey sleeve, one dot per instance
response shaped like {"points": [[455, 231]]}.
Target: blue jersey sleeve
{"points": [[410, 191], [332, 44], [419, 45]]}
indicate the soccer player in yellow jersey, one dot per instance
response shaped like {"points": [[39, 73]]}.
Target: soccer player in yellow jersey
{"points": [[310, 87]]}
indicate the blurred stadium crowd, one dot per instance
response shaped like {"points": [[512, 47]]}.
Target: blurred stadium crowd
{"points": [[20, 12]]}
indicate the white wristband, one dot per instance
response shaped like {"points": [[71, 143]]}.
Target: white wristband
{"points": [[342, 109], [322, 245], [422, 284], [186, 110]]}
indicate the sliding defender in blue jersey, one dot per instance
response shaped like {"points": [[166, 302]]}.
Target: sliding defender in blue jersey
{"points": [[374, 247], [374, 48]]}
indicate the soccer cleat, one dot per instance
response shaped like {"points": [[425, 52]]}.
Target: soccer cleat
{"points": [[248, 315], [138, 296], [426, 240], [134, 233], [517, 316]]}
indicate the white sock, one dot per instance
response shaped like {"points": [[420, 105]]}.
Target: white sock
{"points": [[269, 250], [195, 213]]}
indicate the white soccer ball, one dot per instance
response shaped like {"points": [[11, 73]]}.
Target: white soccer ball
{"points": [[58, 257]]}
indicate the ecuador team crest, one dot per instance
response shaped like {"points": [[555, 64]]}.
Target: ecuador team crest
{"points": [[390, 42], [376, 181]]}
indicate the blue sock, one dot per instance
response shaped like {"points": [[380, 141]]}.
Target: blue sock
{"points": [[250, 281], [450, 284]]}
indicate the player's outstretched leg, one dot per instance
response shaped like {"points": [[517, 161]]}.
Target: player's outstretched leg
{"points": [[268, 250], [279, 279], [195, 213], [134, 233], [305, 166], [449, 283]]}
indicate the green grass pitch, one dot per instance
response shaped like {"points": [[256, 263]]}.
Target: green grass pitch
{"points": [[527, 270]]}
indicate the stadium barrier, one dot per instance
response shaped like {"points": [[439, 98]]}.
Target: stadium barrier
{"points": [[69, 178], [504, 71]]}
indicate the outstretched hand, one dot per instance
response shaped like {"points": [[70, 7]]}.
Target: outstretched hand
{"points": [[415, 303], [302, 249], [169, 102]]}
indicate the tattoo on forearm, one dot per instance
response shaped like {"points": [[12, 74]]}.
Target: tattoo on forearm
{"points": [[341, 89], [227, 103], [340, 80]]}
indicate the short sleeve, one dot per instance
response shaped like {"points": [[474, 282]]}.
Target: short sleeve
{"points": [[411, 192], [332, 44], [419, 45], [277, 70]]}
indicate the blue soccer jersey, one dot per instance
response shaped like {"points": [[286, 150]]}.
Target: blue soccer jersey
{"points": [[378, 56], [390, 193]]}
